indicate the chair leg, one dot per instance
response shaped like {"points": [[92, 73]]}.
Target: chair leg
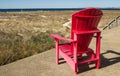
{"points": [[57, 57], [57, 51], [98, 50], [98, 64], [75, 69]]}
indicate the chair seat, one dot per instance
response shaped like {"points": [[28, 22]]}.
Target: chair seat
{"points": [[66, 48]]}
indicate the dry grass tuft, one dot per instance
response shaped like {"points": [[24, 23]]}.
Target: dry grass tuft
{"points": [[13, 47]]}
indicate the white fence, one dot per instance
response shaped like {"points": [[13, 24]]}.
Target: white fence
{"points": [[114, 23]]}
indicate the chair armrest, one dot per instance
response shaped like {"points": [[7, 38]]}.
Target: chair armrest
{"points": [[86, 32], [61, 38]]}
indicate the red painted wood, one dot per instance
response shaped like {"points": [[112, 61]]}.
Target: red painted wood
{"points": [[84, 28], [61, 38], [68, 59], [86, 32], [57, 50], [85, 20], [98, 50]]}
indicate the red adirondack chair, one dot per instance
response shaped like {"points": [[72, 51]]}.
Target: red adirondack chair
{"points": [[84, 28]]}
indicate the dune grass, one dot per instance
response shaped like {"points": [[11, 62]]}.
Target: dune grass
{"points": [[13, 47], [23, 34]]}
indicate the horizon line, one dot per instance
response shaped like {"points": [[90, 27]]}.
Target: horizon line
{"points": [[60, 8]]}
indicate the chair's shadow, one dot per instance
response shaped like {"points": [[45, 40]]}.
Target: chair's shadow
{"points": [[104, 61], [109, 61]]}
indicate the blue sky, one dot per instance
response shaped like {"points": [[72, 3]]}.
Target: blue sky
{"points": [[58, 3]]}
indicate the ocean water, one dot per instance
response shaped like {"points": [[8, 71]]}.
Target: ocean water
{"points": [[49, 9]]}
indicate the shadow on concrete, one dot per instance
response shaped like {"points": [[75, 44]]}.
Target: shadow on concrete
{"points": [[109, 61], [105, 61]]}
